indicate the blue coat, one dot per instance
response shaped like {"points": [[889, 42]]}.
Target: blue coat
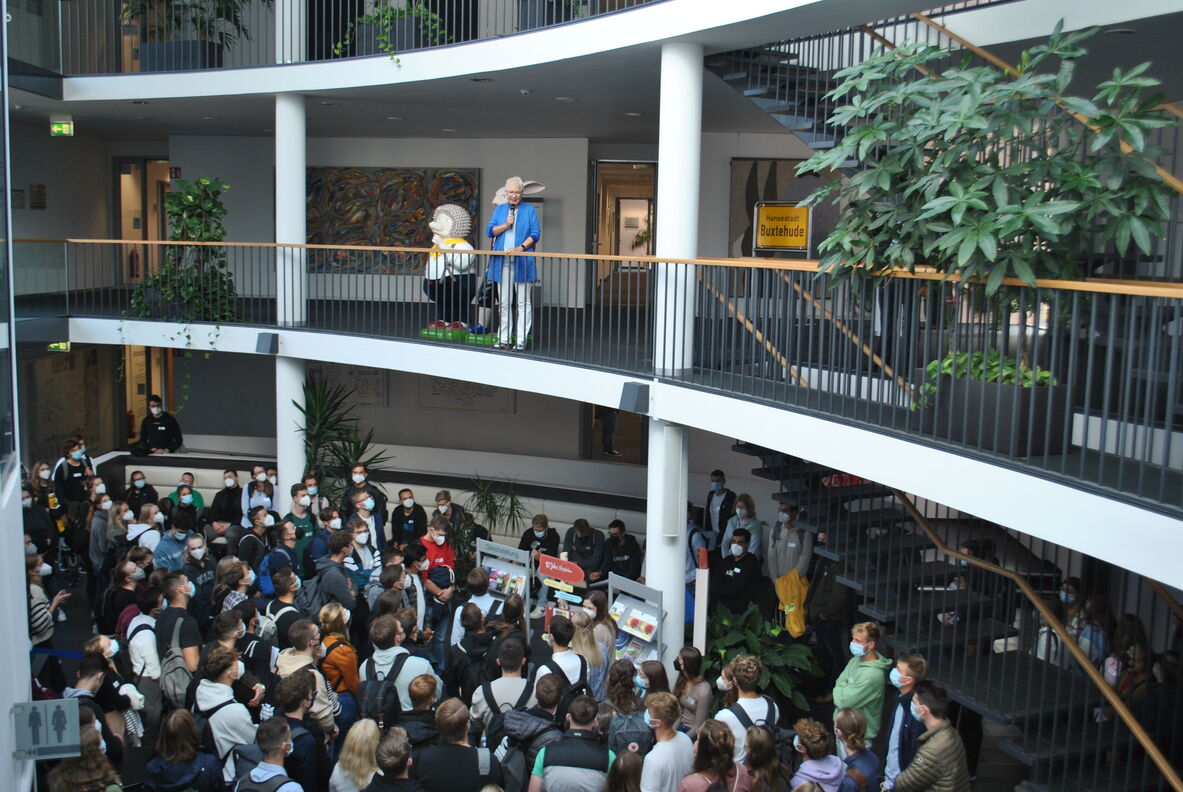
{"points": [[524, 270]]}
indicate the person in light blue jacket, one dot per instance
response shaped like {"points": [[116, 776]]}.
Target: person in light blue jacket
{"points": [[514, 229]]}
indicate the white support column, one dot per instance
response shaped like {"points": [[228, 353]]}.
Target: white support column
{"points": [[679, 152], [665, 528], [291, 275], [289, 437]]}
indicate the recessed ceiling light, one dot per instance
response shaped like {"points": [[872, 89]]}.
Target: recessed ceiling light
{"points": [[633, 115], [448, 129], [1119, 31], [209, 118], [139, 101], [329, 103], [565, 99], [480, 79], [394, 118]]}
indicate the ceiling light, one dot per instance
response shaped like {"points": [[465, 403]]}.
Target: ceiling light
{"points": [[209, 118], [328, 103], [632, 115], [394, 118], [1119, 31], [448, 129], [480, 79], [564, 99]]}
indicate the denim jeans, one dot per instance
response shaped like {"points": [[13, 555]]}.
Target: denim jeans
{"points": [[436, 617]]}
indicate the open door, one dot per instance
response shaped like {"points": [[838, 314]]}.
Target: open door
{"points": [[624, 227]]}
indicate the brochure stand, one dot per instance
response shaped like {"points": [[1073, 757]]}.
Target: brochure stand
{"points": [[638, 612], [509, 572]]}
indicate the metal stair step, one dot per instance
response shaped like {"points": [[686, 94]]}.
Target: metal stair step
{"points": [[928, 636], [1013, 687], [1057, 741]]}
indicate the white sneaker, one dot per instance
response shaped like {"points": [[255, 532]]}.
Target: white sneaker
{"points": [[538, 612]]}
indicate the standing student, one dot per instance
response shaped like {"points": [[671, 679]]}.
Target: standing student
{"points": [[940, 764], [692, 691], [862, 684], [359, 475], [408, 520], [864, 771], [308, 763], [906, 728], [258, 492], [159, 431], [750, 707], [454, 765], [577, 762], [478, 587], [358, 762], [394, 763], [305, 653], [720, 504], [229, 721], [714, 762], [275, 743], [439, 581], [672, 756], [503, 694]]}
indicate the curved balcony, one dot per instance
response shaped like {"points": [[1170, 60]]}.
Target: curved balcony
{"points": [[759, 349]]}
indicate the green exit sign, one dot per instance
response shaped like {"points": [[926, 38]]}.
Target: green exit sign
{"points": [[61, 129], [59, 346]]}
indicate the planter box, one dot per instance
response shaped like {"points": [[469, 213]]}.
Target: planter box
{"points": [[1002, 418], [159, 56]]}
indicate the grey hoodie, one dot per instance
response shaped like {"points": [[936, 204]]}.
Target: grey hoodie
{"points": [[231, 725], [827, 771], [335, 583]]}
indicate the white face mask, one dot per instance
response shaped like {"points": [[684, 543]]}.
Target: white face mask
{"points": [[736, 550], [197, 552], [347, 615], [443, 508], [335, 523], [305, 500], [439, 540], [260, 477], [229, 482], [241, 669], [741, 513], [44, 474], [158, 518], [157, 411], [423, 565], [105, 505], [722, 684], [274, 480], [782, 517], [362, 539], [269, 521], [358, 478], [408, 503], [27, 502], [45, 571], [100, 489]]}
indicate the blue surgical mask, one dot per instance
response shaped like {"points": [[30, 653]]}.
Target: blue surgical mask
{"points": [[540, 534], [961, 562], [299, 584], [912, 709], [1067, 598], [192, 589], [894, 676], [797, 742], [716, 486], [312, 490], [76, 455], [858, 649], [187, 499], [250, 579], [641, 682], [368, 504], [139, 483]]}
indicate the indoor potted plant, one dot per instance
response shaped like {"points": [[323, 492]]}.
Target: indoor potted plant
{"points": [[985, 175], [392, 26], [183, 35]]}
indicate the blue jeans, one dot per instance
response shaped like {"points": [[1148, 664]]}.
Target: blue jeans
{"points": [[436, 617]]}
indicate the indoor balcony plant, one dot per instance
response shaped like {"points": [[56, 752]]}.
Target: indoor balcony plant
{"points": [[993, 179], [184, 35]]}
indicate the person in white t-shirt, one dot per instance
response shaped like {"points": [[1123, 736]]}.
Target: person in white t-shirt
{"points": [[755, 709], [478, 585], [672, 756], [563, 657], [507, 690]]}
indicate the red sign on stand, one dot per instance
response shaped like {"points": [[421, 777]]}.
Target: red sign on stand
{"points": [[557, 568]]}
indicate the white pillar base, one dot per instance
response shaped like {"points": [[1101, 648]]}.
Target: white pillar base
{"points": [[665, 528]]}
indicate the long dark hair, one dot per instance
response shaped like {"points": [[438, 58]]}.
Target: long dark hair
{"points": [[768, 774], [714, 756], [689, 671], [625, 774], [510, 617], [655, 675], [621, 688]]}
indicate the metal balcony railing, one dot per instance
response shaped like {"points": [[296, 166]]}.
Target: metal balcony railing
{"points": [[1107, 356]]}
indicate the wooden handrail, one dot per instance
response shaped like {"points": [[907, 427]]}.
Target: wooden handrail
{"points": [[1133, 288], [1166, 597], [1114, 700], [1168, 178]]}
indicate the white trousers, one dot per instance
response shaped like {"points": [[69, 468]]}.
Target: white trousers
{"points": [[510, 296]]}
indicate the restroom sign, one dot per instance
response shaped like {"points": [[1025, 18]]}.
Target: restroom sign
{"points": [[782, 226]]}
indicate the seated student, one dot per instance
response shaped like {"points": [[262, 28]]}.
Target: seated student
{"points": [[275, 743], [584, 546], [563, 659], [258, 492], [159, 431], [393, 757], [186, 485], [139, 492], [146, 532], [454, 765], [387, 636], [282, 610], [623, 555], [229, 721], [308, 764], [179, 762], [750, 708], [863, 768], [225, 512], [469, 659], [408, 520], [506, 692], [578, 760], [478, 587], [539, 539], [419, 721]]}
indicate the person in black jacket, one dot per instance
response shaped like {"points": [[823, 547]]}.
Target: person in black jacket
{"points": [[539, 538], [623, 554], [360, 478], [905, 728], [584, 546], [38, 524], [720, 506], [159, 431], [139, 492], [308, 764], [740, 575]]}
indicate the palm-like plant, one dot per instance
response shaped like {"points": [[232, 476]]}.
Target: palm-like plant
{"points": [[333, 441]]}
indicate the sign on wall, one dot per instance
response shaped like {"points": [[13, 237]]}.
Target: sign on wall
{"points": [[782, 226]]}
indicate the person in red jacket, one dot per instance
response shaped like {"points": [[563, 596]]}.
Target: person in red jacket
{"points": [[439, 580]]}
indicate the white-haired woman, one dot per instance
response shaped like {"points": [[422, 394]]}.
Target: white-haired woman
{"points": [[449, 281], [515, 231]]}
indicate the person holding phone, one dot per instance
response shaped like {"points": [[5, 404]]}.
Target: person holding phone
{"points": [[514, 230]]}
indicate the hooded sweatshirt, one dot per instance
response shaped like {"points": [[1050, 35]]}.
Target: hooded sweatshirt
{"points": [[383, 659], [325, 707], [336, 585], [231, 725], [862, 685], [827, 771], [201, 774]]}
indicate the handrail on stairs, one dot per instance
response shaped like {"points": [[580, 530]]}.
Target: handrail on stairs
{"points": [[1170, 773]]}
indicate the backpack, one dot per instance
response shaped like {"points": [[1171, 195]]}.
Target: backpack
{"points": [[377, 696], [782, 738], [518, 755], [269, 622], [175, 676], [247, 756], [474, 673], [579, 687], [202, 720], [495, 734], [309, 598], [630, 733], [245, 784], [263, 578]]}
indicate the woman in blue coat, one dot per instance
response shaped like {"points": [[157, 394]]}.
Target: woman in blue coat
{"points": [[514, 229]]}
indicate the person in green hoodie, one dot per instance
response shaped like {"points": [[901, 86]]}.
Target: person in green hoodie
{"points": [[863, 683]]}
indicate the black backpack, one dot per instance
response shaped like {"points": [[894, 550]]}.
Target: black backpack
{"points": [[579, 687], [782, 738], [495, 734], [377, 696], [472, 672], [202, 719]]}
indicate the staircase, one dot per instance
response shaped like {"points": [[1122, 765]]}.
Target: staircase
{"points": [[977, 637]]}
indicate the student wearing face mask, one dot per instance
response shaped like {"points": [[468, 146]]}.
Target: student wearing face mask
{"points": [[789, 546], [720, 504], [739, 576], [177, 496], [306, 651], [745, 517], [359, 478], [139, 491], [439, 579], [300, 514], [229, 721], [99, 538], [225, 513], [328, 522], [623, 555], [159, 431], [539, 539], [36, 520], [170, 551], [255, 544], [408, 520], [258, 492], [365, 509], [861, 683]]}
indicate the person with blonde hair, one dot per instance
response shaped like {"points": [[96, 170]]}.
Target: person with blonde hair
{"points": [[862, 684], [339, 663], [820, 765], [358, 761], [714, 761], [596, 654], [672, 756], [863, 768]]}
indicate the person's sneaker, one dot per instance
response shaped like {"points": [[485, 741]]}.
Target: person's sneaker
{"points": [[613, 452], [519, 348], [538, 612], [478, 330]]}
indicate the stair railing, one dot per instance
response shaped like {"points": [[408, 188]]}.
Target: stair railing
{"points": [[1170, 773]]}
